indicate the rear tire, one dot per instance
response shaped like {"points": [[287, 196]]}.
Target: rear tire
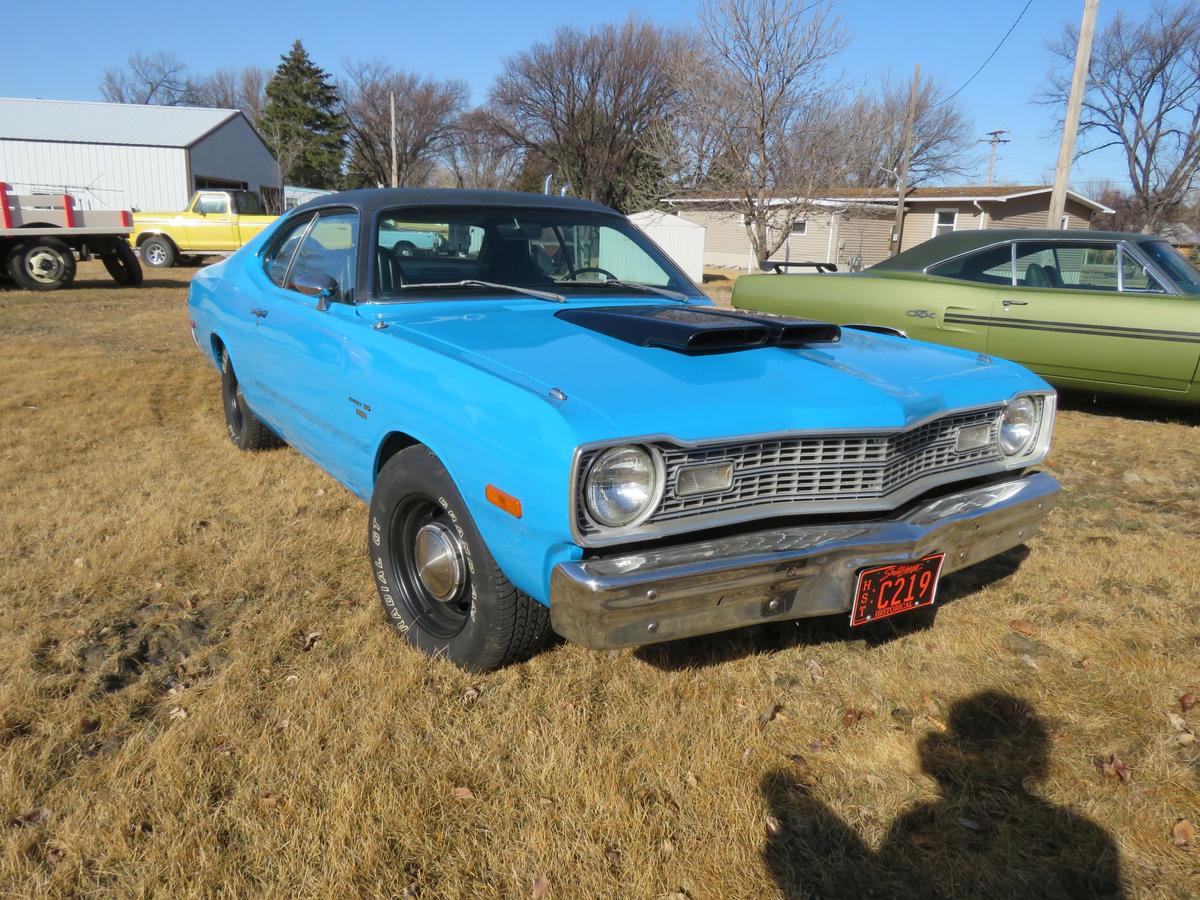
{"points": [[42, 264], [446, 596], [245, 429], [157, 252], [122, 264]]}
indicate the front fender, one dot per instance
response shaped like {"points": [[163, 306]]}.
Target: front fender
{"points": [[488, 430]]}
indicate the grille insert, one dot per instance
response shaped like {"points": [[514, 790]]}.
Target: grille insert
{"points": [[815, 469]]}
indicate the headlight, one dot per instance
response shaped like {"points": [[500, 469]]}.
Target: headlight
{"points": [[622, 485], [1019, 426]]}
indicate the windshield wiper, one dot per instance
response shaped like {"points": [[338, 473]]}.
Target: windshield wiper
{"points": [[492, 285], [635, 285]]}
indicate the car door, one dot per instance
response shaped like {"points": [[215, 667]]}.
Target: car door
{"points": [[960, 297], [1094, 313], [211, 227], [306, 330]]}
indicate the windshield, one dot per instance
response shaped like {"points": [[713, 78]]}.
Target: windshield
{"points": [[567, 252], [1174, 264]]}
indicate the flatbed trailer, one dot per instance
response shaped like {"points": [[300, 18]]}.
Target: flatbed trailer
{"points": [[41, 234]]}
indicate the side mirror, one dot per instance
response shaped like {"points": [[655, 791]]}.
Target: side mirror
{"points": [[311, 284]]}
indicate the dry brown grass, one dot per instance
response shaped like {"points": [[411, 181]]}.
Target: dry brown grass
{"points": [[158, 589]]}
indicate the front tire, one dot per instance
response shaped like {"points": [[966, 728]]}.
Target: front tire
{"points": [[42, 264], [157, 252], [439, 586], [245, 429]]}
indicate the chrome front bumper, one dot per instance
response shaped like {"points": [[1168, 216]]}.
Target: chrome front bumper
{"points": [[782, 573]]}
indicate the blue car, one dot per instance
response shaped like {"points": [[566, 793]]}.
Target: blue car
{"points": [[554, 428]]}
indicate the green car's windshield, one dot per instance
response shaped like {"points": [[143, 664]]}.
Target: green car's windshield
{"points": [[1171, 261], [566, 252]]}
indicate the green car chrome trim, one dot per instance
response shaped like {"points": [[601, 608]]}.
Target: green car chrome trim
{"points": [[1150, 334]]}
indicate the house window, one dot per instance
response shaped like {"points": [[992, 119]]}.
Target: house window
{"points": [[944, 221], [800, 226]]}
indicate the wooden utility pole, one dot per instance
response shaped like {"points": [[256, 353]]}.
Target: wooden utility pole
{"points": [[395, 172], [905, 158], [995, 140], [1066, 149]]}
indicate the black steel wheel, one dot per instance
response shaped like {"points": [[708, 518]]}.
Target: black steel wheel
{"points": [[439, 586], [245, 429]]}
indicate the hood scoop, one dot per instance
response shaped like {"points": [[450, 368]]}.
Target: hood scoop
{"points": [[700, 330]]}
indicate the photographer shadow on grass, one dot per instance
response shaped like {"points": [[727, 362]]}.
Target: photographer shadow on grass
{"points": [[986, 835]]}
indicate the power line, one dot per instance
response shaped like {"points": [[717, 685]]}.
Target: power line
{"points": [[991, 55]]}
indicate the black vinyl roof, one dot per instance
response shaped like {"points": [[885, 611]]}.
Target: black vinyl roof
{"points": [[370, 200], [954, 243]]}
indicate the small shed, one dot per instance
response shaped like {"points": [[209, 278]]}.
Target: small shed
{"points": [[683, 240]]}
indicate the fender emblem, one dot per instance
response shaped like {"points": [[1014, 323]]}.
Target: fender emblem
{"points": [[921, 314]]}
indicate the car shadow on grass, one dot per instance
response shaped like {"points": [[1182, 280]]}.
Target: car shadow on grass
{"points": [[1139, 409], [986, 835], [773, 637]]}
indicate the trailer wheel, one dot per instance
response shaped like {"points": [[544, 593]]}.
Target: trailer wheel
{"points": [[122, 263], [42, 264], [158, 252]]}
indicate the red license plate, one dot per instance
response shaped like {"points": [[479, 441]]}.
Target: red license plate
{"points": [[887, 590]]}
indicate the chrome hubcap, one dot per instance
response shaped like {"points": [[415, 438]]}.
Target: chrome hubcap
{"points": [[155, 255], [438, 555]]}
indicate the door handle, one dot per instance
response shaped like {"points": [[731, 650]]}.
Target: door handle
{"points": [[1008, 303], [259, 312]]}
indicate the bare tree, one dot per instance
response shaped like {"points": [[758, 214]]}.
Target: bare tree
{"points": [[770, 140], [1143, 97], [586, 103], [873, 143], [426, 114], [155, 78], [243, 89], [478, 155]]}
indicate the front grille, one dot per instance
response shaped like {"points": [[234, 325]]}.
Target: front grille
{"points": [[815, 469]]}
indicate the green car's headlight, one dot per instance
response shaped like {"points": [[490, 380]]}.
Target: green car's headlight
{"points": [[1019, 426], [623, 485]]}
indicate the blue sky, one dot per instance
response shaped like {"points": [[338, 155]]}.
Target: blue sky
{"points": [[469, 40]]}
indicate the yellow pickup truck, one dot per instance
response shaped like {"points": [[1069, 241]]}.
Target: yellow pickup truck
{"points": [[215, 223]]}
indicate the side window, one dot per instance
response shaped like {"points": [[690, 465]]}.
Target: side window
{"points": [[1135, 278], [990, 266], [246, 203], [277, 259], [213, 205], [328, 253], [1067, 265]]}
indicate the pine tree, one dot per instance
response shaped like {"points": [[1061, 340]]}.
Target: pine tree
{"points": [[302, 123]]}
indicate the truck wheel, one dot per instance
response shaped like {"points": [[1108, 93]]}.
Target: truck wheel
{"points": [[246, 430], [42, 264], [158, 252], [122, 263], [439, 586]]}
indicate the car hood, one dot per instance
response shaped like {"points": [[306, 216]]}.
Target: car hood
{"points": [[862, 381]]}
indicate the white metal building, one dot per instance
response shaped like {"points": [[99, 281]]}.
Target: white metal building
{"points": [[125, 156], [682, 239]]}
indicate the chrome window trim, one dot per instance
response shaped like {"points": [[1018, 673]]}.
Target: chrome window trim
{"points": [[643, 532], [1073, 239], [1171, 288]]}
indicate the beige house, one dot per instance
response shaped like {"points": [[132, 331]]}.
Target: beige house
{"points": [[853, 227]]}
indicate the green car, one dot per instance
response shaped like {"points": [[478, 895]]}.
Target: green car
{"points": [[1098, 310]]}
